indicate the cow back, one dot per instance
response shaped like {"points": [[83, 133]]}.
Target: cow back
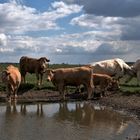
{"points": [[73, 76], [32, 65]]}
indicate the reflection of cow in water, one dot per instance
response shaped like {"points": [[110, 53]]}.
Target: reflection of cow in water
{"points": [[112, 67], [11, 108], [85, 114]]}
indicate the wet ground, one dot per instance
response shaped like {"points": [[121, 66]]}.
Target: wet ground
{"points": [[123, 102], [117, 100]]}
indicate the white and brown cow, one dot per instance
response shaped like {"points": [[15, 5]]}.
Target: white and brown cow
{"points": [[11, 77], [71, 77], [112, 67], [33, 65], [104, 82]]}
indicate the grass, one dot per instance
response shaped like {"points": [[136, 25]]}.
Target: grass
{"points": [[31, 80]]}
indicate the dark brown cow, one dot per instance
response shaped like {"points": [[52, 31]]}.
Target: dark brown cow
{"points": [[11, 77], [71, 77], [33, 65], [105, 82]]}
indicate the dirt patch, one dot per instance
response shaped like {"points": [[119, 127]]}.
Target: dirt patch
{"points": [[118, 100], [121, 101]]}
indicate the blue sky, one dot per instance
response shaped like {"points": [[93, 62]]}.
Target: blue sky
{"points": [[70, 31]]}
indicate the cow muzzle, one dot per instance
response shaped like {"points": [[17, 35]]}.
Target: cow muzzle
{"points": [[48, 79]]}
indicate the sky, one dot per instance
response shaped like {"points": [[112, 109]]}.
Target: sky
{"points": [[70, 31]]}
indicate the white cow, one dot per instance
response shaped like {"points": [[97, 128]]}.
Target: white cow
{"points": [[116, 68]]}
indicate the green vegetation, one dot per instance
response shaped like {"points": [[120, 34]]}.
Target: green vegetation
{"points": [[31, 80]]}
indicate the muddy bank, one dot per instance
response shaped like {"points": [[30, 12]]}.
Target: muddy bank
{"points": [[120, 101], [128, 102]]}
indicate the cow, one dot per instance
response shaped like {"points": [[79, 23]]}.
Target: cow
{"points": [[136, 68], [76, 76], [116, 68], [104, 82], [11, 77], [33, 65]]}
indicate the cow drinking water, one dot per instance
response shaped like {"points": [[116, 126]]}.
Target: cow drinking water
{"points": [[105, 82]]}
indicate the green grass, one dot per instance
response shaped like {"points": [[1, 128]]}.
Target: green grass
{"points": [[31, 80]]}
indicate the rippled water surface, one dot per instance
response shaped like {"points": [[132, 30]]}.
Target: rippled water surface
{"points": [[64, 121]]}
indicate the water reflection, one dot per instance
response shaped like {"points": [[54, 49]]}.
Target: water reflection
{"points": [[39, 109], [70, 121], [87, 115]]}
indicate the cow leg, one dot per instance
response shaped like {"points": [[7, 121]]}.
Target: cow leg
{"points": [[8, 90], [61, 91], [89, 91], [41, 78], [23, 80], [15, 94], [38, 80]]}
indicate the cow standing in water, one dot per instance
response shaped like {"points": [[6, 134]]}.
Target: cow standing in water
{"points": [[12, 78], [112, 67], [33, 65], [71, 77]]}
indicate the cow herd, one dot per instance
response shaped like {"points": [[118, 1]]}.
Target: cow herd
{"points": [[102, 75]]}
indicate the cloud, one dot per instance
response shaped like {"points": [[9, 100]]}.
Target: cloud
{"points": [[113, 28], [105, 33], [68, 48], [17, 18], [3, 40], [111, 8]]}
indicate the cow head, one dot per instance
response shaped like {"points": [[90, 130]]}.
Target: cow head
{"points": [[129, 74], [5, 76], [50, 75], [113, 85], [43, 62]]}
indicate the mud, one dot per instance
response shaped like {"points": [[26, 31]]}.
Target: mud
{"points": [[127, 102]]}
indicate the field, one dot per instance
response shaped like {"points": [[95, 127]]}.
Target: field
{"points": [[130, 87]]}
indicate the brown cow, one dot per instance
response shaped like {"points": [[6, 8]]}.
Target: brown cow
{"points": [[33, 65], [71, 77], [105, 82], [12, 78]]}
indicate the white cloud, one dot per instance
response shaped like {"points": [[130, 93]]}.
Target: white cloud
{"points": [[16, 18], [103, 37], [70, 46], [117, 28], [3, 39]]}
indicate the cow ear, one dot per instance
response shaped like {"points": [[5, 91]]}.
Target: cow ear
{"points": [[53, 71], [47, 60]]}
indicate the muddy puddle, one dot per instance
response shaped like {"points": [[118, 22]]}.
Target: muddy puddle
{"points": [[65, 121]]}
